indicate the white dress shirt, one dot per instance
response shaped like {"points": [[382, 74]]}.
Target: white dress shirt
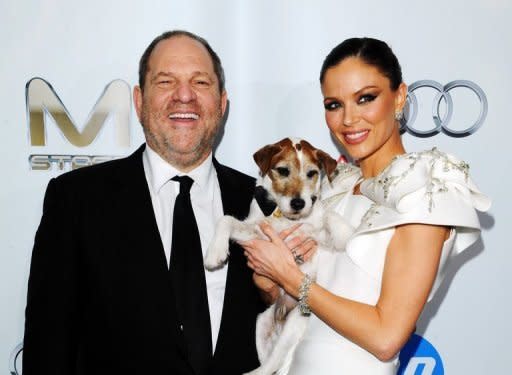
{"points": [[207, 205]]}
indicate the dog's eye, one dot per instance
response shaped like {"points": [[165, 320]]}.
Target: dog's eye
{"points": [[283, 171], [311, 174]]}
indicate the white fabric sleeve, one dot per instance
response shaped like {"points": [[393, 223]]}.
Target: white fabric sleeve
{"points": [[430, 187]]}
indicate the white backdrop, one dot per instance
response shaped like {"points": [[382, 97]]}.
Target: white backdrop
{"points": [[272, 52]]}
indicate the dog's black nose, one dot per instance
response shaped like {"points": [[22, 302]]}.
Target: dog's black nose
{"points": [[297, 204]]}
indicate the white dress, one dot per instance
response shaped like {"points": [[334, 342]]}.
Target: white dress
{"points": [[428, 187]]}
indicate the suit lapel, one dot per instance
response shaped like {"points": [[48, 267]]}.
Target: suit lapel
{"points": [[235, 202], [139, 221], [234, 199], [143, 260]]}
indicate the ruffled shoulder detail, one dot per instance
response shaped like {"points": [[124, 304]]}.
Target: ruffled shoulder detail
{"points": [[429, 187], [346, 176], [424, 178]]}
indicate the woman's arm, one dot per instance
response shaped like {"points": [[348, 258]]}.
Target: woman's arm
{"points": [[299, 245], [410, 268], [269, 290]]}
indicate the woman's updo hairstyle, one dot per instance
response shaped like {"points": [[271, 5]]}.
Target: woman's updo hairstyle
{"points": [[373, 52]]}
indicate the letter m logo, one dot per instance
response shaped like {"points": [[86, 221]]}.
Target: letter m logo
{"points": [[43, 101]]}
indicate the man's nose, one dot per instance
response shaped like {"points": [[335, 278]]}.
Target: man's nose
{"points": [[184, 93]]}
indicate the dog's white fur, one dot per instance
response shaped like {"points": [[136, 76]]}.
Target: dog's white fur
{"points": [[280, 328]]}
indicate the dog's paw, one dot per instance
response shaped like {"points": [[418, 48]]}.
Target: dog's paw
{"points": [[216, 255]]}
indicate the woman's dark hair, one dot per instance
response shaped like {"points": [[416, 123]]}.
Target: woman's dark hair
{"points": [[373, 52]]}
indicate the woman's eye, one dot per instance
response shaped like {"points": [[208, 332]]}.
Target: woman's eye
{"points": [[311, 174], [332, 106], [367, 98], [283, 171]]}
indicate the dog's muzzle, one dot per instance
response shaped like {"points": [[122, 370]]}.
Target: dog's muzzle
{"points": [[297, 204]]}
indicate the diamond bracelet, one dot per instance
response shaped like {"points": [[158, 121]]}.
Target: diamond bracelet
{"points": [[303, 295]]}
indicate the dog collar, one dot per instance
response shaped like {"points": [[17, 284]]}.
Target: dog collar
{"points": [[277, 213]]}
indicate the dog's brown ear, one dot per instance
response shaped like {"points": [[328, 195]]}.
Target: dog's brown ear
{"points": [[263, 157], [327, 163]]}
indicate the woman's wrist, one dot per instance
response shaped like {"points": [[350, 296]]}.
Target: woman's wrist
{"points": [[292, 282], [298, 285], [304, 295]]}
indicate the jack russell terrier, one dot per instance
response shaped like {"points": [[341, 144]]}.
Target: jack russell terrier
{"points": [[287, 192]]}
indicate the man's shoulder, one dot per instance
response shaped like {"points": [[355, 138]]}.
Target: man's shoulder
{"points": [[103, 173], [233, 175], [237, 190]]}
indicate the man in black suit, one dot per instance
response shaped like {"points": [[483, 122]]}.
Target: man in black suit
{"points": [[103, 295]]}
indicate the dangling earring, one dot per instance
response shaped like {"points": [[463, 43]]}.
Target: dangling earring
{"points": [[399, 115]]}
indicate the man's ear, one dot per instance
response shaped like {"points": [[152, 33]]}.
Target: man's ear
{"points": [[263, 157], [223, 102], [137, 101]]}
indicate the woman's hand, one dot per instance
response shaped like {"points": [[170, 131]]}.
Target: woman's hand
{"points": [[273, 259], [301, 246]]}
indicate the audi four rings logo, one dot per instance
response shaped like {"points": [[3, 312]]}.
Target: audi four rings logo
{"points": [[442, 122]]}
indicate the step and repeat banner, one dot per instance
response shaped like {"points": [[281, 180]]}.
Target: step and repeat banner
{"points": [[68, 69]]}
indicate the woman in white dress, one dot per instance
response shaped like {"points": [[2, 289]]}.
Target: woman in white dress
{"points": [[412, 212]]}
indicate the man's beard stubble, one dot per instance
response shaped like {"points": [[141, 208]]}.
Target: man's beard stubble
{"points": [[164, 147]]}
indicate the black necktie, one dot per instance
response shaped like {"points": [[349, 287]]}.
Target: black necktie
{"points": [[187, 272]]}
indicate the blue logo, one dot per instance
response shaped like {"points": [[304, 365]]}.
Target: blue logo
{"points": [[419, 357]]}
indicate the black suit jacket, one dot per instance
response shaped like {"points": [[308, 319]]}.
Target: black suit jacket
{"points": [[100, 298]]}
